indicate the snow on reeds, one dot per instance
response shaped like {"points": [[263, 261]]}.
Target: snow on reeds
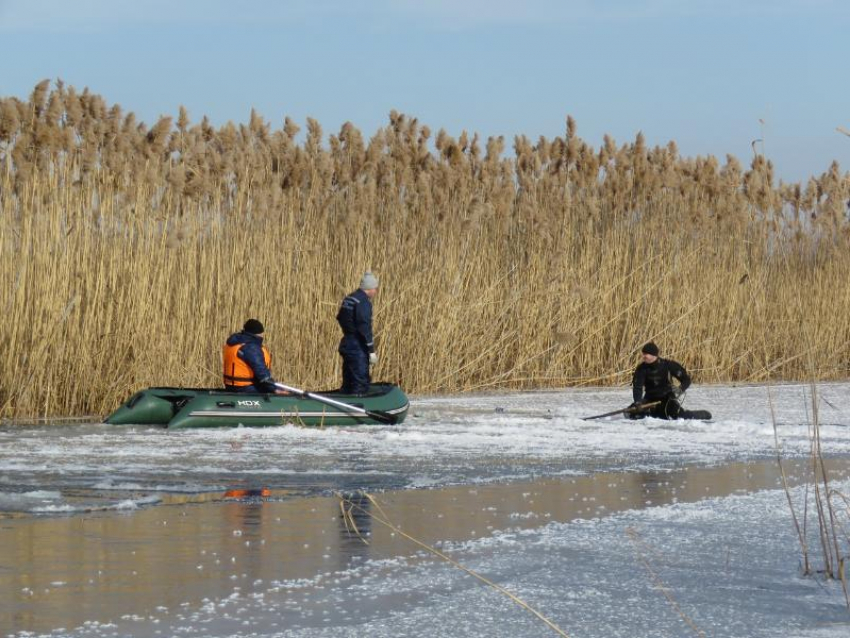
{"points": [[131, 251]]}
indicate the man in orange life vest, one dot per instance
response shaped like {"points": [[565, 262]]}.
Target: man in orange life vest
{"points": [[247, 361]]}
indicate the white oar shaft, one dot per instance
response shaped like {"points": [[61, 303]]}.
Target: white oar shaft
{"points": [[322, 399]]}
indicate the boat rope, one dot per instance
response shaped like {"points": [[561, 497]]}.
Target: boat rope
{"points": [[638, 542], [383, 519]]}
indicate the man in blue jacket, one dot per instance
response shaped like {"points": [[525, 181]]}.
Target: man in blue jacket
{"points": [[357, 346]]}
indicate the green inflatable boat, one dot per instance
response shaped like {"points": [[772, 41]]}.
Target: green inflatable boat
{"points": [[205, 408]]}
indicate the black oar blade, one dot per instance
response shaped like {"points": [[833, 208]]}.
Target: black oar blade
{"points": [[383, 417]]}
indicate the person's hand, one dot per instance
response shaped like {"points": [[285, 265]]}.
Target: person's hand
{"points": [[285, 393], [373, 358], [635, 406]]}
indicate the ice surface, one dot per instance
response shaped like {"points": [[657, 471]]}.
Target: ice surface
{"points": [[446, 440]]}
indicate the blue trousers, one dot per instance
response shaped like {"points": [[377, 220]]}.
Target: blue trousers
{"points": [[242, 388], [355, 368]]}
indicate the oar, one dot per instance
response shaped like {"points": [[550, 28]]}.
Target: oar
{"points": [[378, 415], [629, 410]]}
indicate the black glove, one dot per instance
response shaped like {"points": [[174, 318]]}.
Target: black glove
{"points": [[634, 407]]}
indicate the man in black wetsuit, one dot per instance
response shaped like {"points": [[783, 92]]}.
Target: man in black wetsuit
{"points": [[653, 381]]}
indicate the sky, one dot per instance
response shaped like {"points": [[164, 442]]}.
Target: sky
{"points": [[712, 75]]}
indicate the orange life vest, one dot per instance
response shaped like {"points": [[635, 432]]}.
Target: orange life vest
{"points": [[237, 372]]}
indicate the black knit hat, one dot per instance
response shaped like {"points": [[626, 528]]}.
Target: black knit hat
{"points": [[254, 327], [650, 348]]}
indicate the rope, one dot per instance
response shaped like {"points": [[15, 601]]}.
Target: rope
{"points": [[384, 520], [633, 536]]}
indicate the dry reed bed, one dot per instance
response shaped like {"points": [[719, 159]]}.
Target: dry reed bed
{"points": [[131, 252]]}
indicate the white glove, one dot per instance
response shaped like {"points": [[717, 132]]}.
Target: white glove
{"points": [[373, 358]]}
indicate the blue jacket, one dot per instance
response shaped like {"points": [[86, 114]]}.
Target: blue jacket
{"points": [[355, 319], [252, 354]]}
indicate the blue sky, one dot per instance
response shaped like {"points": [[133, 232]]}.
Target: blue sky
{"points": [[702, 73]]}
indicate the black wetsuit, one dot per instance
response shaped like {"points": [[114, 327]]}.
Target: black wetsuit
{"points": [[654, 382]]}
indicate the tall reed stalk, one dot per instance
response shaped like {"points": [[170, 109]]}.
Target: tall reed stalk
{"points": [[831, 508]]}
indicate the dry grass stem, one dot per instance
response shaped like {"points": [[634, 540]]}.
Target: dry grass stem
{"points": [[800, 533]]}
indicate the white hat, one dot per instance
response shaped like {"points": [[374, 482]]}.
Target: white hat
{"points": [[369, 281]]}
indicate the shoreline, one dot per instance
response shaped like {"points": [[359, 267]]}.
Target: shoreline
{"points": [[483, 393]]}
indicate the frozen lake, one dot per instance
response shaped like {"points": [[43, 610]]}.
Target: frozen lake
{"points": [[608, 528]]}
